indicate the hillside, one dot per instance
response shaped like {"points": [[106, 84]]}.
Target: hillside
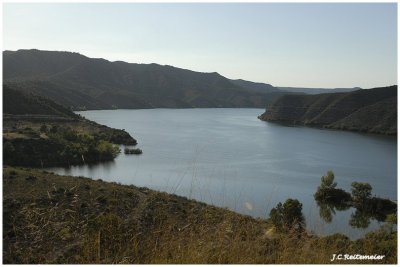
{"points": [[80, 82], [17, 103], [256, 87], [373, 110], [62, 219], [38, 132]]}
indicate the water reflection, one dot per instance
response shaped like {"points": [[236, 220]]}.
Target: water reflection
{"points": [[360, 218], [89, 170], [327, 209]]}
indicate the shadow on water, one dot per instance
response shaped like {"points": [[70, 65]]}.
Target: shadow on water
{"points": [[89, 168]]}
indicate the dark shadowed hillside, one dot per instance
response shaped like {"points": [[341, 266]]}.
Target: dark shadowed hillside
{"points": [[373, 110], [80, 82], [18, 103]]}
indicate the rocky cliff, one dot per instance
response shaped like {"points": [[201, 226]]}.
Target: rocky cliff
{"points": [[368, 110]]}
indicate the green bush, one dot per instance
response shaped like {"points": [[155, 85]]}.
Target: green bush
{"points": [[288, 216], [361, 192]]}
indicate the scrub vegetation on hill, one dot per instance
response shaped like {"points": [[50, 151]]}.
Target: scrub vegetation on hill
{"points": [[61, 219]]}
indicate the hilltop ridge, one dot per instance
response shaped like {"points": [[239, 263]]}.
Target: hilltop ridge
{"points": [[79, 82]]}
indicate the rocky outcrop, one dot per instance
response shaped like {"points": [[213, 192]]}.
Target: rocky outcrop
{"points": [[369, 110]]}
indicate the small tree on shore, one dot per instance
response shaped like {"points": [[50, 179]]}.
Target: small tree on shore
{"points": [[327, 181], [361, 192], [327, 191], [288, 216]]}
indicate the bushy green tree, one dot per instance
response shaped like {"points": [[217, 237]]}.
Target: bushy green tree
{"points": [[327, 191], [288, 216], [327, 181], [361, 192]]}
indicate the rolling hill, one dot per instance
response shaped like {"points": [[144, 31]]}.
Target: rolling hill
{"points": [[80, 82], [372, 110]]}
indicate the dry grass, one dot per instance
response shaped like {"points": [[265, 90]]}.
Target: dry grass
{"points": [[60, 219]]}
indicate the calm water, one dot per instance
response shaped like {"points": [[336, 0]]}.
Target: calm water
{"points": [[229, 158]]}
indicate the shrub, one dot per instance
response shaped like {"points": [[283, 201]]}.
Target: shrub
{"points": [[327, 181], [328, 193], [288, 216], [361, 192]]}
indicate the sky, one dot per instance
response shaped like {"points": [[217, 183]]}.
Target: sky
{"points": [[294, 44]]}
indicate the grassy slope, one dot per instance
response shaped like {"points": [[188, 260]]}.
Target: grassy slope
{"points": [[61, 219]]}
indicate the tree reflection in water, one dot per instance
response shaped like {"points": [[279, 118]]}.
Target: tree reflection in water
{"points": [[360, 218], [328, 208]]}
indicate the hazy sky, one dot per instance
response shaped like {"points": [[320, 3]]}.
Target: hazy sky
{"points": [[309, 45]]}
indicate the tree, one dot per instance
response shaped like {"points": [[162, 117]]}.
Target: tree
{"points": [[327, 191], [288, 216], [327, 181], [361, 192]]}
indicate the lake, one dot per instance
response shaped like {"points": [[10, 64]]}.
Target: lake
{"points": [[229, 158]]}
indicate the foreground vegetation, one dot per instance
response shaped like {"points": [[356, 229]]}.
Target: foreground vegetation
{"points": [[60, 219]]}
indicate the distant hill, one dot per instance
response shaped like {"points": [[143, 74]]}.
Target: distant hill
{"points": [[256, 87], [80, 82], [314, 91], [372, 110]]}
